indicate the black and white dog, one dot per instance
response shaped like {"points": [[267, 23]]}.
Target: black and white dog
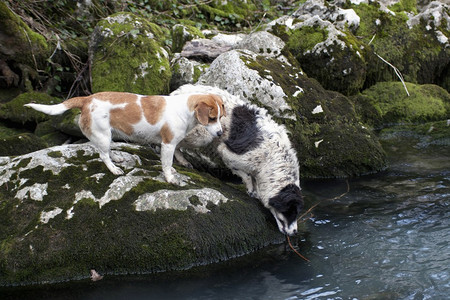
{"points": [[258, 150]]}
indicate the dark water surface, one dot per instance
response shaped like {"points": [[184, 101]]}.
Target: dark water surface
{"points": [[387, 238]]}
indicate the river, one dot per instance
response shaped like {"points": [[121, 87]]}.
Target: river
{"points": [[387, 238]]}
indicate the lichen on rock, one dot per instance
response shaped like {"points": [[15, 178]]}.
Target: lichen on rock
{"points": [[63, 213]]}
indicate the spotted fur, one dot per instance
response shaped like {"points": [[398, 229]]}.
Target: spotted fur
{"points": [[143, 119]]}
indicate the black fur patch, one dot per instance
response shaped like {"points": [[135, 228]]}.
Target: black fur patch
{"points": [[244, 134], [288, 202]]}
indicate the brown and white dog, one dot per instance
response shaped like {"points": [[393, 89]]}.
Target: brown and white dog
{"points": [[142, 119]]}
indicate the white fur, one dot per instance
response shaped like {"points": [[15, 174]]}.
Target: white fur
{"points": [[176, 114]]}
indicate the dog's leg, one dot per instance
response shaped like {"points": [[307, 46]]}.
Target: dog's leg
{"points": [[196, 138], [103, 142], [181, 160], [116, 158], [248, 181], [238, 164], [167, 152]]}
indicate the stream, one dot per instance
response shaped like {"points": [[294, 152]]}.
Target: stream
{"points": [[387, 238]]}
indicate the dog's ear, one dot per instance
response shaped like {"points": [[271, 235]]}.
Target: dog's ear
{"points": [[202, 113], [219, 101]]}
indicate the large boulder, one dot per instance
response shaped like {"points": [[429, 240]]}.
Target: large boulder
{"points": [[348, 46], [324, 127], [319, 35], [22, 51], [389, 103], [18, 42], [415, 43], [14, 111], [63, 213], [126, 54]]}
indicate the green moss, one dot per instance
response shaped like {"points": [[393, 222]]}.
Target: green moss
{"points": [[199, 70], [6, 132], [21, 144], [414, 52], [27, 47], [68, 122], [339, 68], [405, 6], [128, 58], [305, 38], [390, 104], [55, 154], [15, 111], [182, 34]]}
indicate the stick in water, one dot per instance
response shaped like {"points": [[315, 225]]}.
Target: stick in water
{"points": [[309, 211]]}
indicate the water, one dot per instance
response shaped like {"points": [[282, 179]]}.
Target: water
{"points": [[387, 238]]}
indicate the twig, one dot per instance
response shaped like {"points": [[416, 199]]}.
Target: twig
{"points": [[330, 199], [293, 249], [397, 71], [309, 211]]}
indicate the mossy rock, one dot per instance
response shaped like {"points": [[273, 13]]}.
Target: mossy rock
{"points": [[329, 139], [335, 58], [387, 103], [67, 123], [63, 213], [19, 43], [15, 111], [126, 54], [21, 144], [182, 34], [415, 50], [186, 71], [49, 134]]}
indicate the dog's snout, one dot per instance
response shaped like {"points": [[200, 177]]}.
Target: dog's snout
{"points": [[219, 133]]}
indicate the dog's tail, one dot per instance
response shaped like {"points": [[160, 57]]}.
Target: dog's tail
{"points": [[57, 109]]}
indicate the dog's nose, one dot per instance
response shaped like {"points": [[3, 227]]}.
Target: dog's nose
{"points": [[291, 233], [219, 133]]}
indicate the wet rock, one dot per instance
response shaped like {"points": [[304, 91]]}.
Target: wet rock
{"points": [[63, 213]]}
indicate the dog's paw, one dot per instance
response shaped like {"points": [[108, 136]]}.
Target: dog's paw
{"points": [[252, 194], [170, 178], [116, 158], [187, 165], [116, 170]]}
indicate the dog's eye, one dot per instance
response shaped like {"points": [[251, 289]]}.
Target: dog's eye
{"points": [[212, 119]]}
